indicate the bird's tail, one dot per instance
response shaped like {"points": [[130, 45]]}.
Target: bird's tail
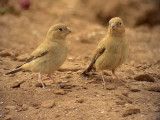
{"points": [[14, 71], [85, 72]]}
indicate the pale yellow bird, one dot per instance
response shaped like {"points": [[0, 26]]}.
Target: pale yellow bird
{"points": [[112, 50], [50, 55]]}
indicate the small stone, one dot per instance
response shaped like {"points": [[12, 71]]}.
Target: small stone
{"points": [[49, 82], [144, 77], [59, 92], [8, 117], [129, 71], [126, 99], [17, 84], [134, 89], [6, 111], [80, 100], [22, 58], [69, 67], [25, 85], [24, 107], [111, 87], [67, 86], [10, 107], [130, 111], [48, 104], [120, 102], [154, 88], [125, 93], [36, 105], [6, 53], [39, 85]]}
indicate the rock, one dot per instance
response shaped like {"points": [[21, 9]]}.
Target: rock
{"points": [[154, 88], [6, 111], [40, 85], [125, 93], [25, 85], [35, 105], [111, 87], [8, 117], [124, 98], [10, 107], [59, 92], [120, 102], [6, 53], [69, 67], [134, 89], [24, 107], [80, 100], [49, 82], [22, 58], [130, 111], [48, 103], [129, 71], [144, 77], [17, 84], [67, 86]]}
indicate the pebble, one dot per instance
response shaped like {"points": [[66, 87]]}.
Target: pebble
{"points": [[17, 84], [80, 101], [48, 103], [6, 53], [126, 99], [67, 86], [130, 111], [111, 87], [154, 88], [8, 117], [59, 92], [24, 107], [144, 77], [22, 58], [10, 107], [134, 89]]}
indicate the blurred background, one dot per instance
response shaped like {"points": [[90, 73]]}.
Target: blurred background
{"points": [[133, 12], [25, 22]]}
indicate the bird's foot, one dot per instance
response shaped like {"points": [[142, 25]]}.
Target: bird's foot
{"points": [[104, 84], [84, 73], [43, 85]]}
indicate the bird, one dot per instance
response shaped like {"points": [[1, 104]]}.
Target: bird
{"points": [[112, 50], [49, 55]]}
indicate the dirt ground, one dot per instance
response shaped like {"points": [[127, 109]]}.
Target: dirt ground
{"points": [[76, 97]]}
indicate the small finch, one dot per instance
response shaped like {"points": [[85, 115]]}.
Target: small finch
{"points": [[111, 51], [50, 55]]}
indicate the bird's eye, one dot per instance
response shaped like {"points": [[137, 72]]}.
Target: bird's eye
{"points": [[60, 29], [120, 23]]}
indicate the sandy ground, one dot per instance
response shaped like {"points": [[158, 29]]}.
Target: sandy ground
{"points": [[76, 97]]}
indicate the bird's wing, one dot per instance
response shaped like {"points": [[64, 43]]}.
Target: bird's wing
{"points": [[36, 54], [100, 50]]}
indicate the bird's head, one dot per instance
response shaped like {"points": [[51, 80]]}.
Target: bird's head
{"points": [[58, 31], [116, 27]]}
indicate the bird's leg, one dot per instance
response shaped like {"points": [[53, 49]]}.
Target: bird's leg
{"points": [[40, 79], [113, 72], [104, 82]]}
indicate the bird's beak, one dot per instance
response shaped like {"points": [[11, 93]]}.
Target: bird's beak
{"points": [[69, 30], [113, 25]]}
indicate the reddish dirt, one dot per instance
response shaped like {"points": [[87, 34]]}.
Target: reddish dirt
{"points": [[76, 97]]}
